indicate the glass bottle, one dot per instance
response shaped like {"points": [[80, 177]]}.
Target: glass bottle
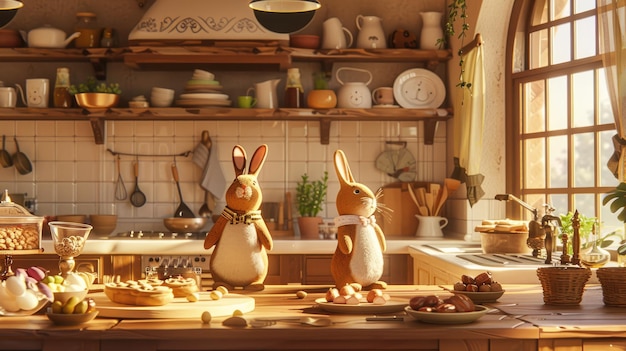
{"points": [[596, 256], [62, 96], [108, 38], [294, 93], [87, 26]]}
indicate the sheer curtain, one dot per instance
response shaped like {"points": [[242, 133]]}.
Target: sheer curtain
{"points": [[612, 29]]}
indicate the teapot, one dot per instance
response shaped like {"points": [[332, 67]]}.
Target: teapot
{"points": [[354, 94], [266, 94], [49, 37]]}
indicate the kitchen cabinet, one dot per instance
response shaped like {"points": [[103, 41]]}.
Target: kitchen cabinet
{"points": [[238, 58]]}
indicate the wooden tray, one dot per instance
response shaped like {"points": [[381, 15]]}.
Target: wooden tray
{"points": [[178, 308]]}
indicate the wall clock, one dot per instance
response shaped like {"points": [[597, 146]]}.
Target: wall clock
{"points": [[397, 161]]}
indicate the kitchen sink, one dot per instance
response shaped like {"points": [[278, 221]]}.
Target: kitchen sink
{"points": [[503, 260], [456, 248]]}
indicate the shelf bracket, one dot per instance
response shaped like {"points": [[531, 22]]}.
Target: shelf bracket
{"points": [[99, 67], [430, 128], [324, 131], [98, 126]]}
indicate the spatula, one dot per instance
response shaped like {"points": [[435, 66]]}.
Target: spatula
{"points": [[183, 210]]}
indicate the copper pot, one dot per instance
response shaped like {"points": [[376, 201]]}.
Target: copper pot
{"points": [[10, 38]]}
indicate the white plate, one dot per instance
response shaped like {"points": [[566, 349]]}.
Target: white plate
{"points": [[363, 308], [193, 96], [447, 318], [419, 88]]}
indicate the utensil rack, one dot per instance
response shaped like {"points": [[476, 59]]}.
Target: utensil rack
{"points": [[181, 154]]}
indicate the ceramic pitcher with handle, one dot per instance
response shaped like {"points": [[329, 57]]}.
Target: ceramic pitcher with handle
{"points": [[371, 34], [266, 94]]}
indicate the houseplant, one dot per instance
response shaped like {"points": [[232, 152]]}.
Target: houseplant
{"points": [[309, 198], [94, 94], [321, 97]]}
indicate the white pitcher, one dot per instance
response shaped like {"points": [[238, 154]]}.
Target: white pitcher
{"points": [[335, 35], [266, 94], [8, 97], [430, 226], [431, 30], [371, 34]]}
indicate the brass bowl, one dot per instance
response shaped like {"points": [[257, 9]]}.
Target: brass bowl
{"points": [[185, 225], [97, 100]]}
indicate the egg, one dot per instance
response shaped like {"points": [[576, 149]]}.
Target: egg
{"points": [[27, 301], [206, 317], [15, 285]]}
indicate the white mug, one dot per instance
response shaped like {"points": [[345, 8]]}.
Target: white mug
{"points": [[430, 226], [383, 96], [334, 35], [8, 97], [37, 92]]}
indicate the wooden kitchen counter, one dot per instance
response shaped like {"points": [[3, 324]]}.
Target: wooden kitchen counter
{"points": [[519, 321]]}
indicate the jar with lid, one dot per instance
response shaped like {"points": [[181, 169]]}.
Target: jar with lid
{"points": [[294, 93], [62, 96], [108, 38], [87, 26]]}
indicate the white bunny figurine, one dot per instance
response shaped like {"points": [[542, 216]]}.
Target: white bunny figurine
{"points": [[240, 235]]}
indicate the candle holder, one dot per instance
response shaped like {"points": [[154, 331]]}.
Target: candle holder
{"points": [[69, 240]]}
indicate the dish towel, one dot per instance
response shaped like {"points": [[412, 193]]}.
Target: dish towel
{"points": [[212, 179]]}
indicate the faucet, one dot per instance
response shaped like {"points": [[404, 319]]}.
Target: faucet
{"points": [[550, 225], [536, 233]]}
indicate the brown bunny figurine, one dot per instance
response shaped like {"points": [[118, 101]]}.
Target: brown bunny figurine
{"points": [[358, 259], [240, 235]]}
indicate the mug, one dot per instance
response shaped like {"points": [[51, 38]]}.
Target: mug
{"points": [[334, 35], [383, 96], [8, 97], [430, 226], [246, 101], [37, 92]]}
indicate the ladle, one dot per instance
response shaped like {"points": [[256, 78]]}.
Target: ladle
{"points": [[5, 158], [137, 198]]}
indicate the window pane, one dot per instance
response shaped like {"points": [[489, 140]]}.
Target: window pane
{"points": [[584, 41], [585, 204], [606, 150], [583, 99], [559, 9], [540, 12], [583, 5], [539, 49], [561, 44], [535, 167], [560, 203], [557, 103], [584, 160], [604, 103], [534, 107], [558, 161]]}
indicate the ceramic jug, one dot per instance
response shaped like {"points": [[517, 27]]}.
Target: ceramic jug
{"points": [[335, 35], [371, 34], [431, 30], [430, 226], [37, 92], [265, 93], [8, 97], [354, 94]]}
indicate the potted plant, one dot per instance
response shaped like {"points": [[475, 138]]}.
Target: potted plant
{"points": [[617, 200], [94, 94], [321, 97], [310, 195]]}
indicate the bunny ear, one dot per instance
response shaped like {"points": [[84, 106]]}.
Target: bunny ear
{"points": [[239, 160], [258, 159], [343, 169]]}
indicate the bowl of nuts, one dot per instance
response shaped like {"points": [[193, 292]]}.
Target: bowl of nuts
{"points": [[480, 289]]}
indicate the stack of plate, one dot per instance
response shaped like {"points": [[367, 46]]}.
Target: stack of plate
{"points": [[202, 90]]}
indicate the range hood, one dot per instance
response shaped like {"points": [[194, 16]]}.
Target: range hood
{"points": [[202, 21]]}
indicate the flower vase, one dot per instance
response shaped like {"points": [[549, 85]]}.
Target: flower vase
{"points": [[431, 30]]}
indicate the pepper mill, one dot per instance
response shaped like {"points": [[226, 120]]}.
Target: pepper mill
{"points": [[576, 239]]}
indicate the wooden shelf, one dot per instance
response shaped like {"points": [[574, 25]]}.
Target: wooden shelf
{"points": [[98, 117]]}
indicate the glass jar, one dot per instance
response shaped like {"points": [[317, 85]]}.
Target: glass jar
{"points": [[108, 38], [62, 96], [87, 26], [294, 94]]}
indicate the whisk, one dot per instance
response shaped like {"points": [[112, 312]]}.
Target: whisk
{"points": [[120, 188]]}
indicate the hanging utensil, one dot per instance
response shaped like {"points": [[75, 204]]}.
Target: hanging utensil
{"points": [[5, 158], [183, 210], [137, 198], [21, 161], [205, 210], [120, 187]]}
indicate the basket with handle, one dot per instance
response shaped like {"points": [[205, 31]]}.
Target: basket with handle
{"points": [[563, 285], [613, 281]]}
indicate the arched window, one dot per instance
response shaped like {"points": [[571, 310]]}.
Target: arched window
{"points": [[561, 122]]}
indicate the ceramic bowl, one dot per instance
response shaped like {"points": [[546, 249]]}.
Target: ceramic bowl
{"points": [[72, 218], [97, 100], [64, 296], [304, 41], [71, 319], [321, 99], [103, 224], [202, 74]]}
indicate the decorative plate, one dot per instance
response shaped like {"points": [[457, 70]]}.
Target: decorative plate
{"points": [[419, 88], [447, 318], [362, 308]]}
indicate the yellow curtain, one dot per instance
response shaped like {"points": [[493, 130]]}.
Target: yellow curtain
{"points": [[469, 113], [612, 20]]}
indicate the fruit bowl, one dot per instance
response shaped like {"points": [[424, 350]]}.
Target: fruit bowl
{"points": [[479, 297], [43, 301], [66, 295], [71, 318], [97, 100], [447, 318]]}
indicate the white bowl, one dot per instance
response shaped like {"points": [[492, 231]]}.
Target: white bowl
{"points": [[202, 74], [161, 102], [164, 91]]}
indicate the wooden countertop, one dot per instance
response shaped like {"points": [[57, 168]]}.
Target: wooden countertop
{"points": [[519, 318]]}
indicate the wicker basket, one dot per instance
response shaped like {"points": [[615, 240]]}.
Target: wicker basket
{"points": [[613, 281], [563, 285]]}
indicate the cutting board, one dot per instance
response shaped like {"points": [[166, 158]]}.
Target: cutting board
{"points": [[178, 308]]}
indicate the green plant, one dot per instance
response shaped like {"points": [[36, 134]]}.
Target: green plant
{"points": [[91, 85], [320, 80], [310, 195], [617, 198], [585, 231], [457, 9]]}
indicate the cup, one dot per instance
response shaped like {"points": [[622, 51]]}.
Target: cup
{"points": [[37, 92], [246, 101], [430, 226], [383, 96], [8, 97], [335, 35]]}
